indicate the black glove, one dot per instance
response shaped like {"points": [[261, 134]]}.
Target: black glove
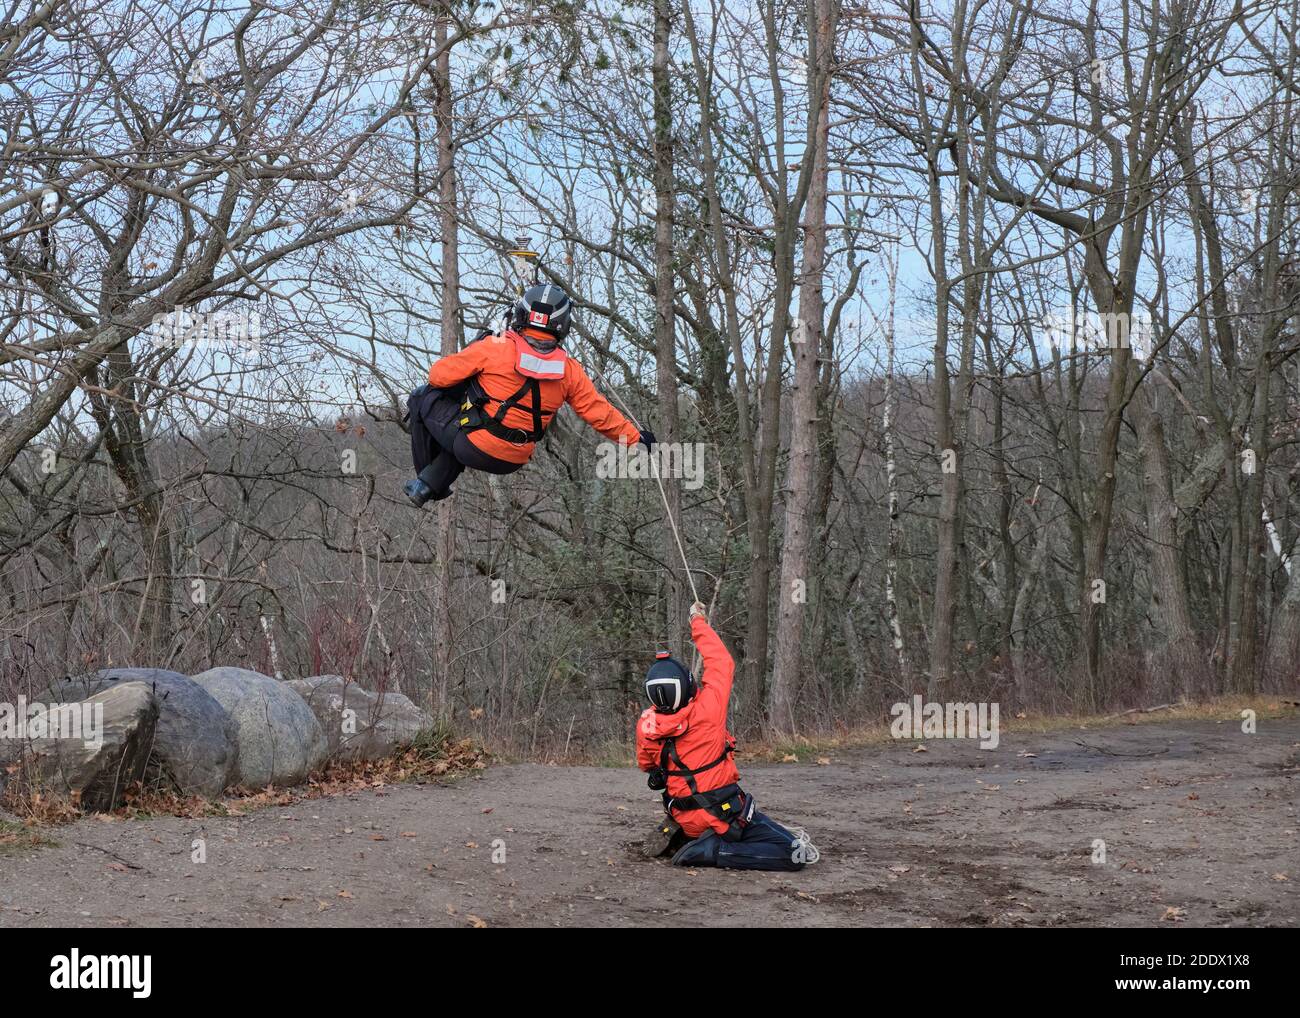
{"points": [[647, 438], [657, 779]]}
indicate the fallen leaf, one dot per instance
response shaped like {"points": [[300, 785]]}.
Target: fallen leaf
{"points": [[1280, 877], [1174, 915], [789, 758], [823, 761], [920, 749], [900, 869], [345, 894], [476, 922]]}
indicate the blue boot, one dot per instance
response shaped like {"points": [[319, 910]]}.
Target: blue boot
{"points": [[418, 492]]}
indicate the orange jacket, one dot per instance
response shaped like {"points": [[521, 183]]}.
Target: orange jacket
{"points": [[492, 359], [700, 729]]}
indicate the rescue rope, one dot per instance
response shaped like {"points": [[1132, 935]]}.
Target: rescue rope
{"points": [[654, 469]]}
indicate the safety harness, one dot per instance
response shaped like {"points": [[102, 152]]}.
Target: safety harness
{"points": [[534, 364], [474, 414], [729, 803]]}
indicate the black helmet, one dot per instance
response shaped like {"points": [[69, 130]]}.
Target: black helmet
{"points": [[543, 306], [668, 684]]}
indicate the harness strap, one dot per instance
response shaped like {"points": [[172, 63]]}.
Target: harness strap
{"points": [[475, 416], [669, 750], [714, 801], [717, 801], [533, 390]]}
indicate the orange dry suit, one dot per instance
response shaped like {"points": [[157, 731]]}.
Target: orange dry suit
{"points": [[694, 748], [515, 391]]}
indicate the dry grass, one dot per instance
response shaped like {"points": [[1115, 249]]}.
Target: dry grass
{"points": [[813, 747], [1228, 708], [17, 838]]}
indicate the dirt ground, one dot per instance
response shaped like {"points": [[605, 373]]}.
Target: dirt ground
{"points": [[1199, 823]]}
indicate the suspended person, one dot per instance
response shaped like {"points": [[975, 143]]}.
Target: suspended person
{"points": [[683, 744], [487, 406]]}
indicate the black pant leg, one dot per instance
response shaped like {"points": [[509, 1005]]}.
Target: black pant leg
{"points": [[424, 447], [454, 451], [765, 845], [440, 420], [476, 459], [441, 474]]}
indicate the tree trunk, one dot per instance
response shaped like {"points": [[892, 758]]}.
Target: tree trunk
{"points": [[665, 322], [1175, 651], [444, 631], [891, 480], [801, 472], [118, 417]]}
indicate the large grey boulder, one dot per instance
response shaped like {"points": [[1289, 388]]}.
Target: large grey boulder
{"points": [[280, 741], [94, 756], [194, 745], [359, 724]]}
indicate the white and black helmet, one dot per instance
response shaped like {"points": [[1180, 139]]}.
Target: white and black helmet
{"points": [[669, 685], [543, 306]]}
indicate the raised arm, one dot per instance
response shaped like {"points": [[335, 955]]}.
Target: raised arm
{"points": [[719, 667], [594, 408]]}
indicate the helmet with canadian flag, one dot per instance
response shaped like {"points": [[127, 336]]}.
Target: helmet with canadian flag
{"points": [[669, 685], [543, 306]]}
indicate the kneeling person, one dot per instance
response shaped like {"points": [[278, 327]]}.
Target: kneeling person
{"points": [[682, 742]]}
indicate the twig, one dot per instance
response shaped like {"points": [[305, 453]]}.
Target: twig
{"points": [[1141, 710], [125, 862]]}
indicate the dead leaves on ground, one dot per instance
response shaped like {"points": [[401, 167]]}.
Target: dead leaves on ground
{"points": [[38, 809], [339, 778]]}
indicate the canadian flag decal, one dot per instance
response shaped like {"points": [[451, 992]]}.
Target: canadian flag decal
{"points": [[537, 318]]}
